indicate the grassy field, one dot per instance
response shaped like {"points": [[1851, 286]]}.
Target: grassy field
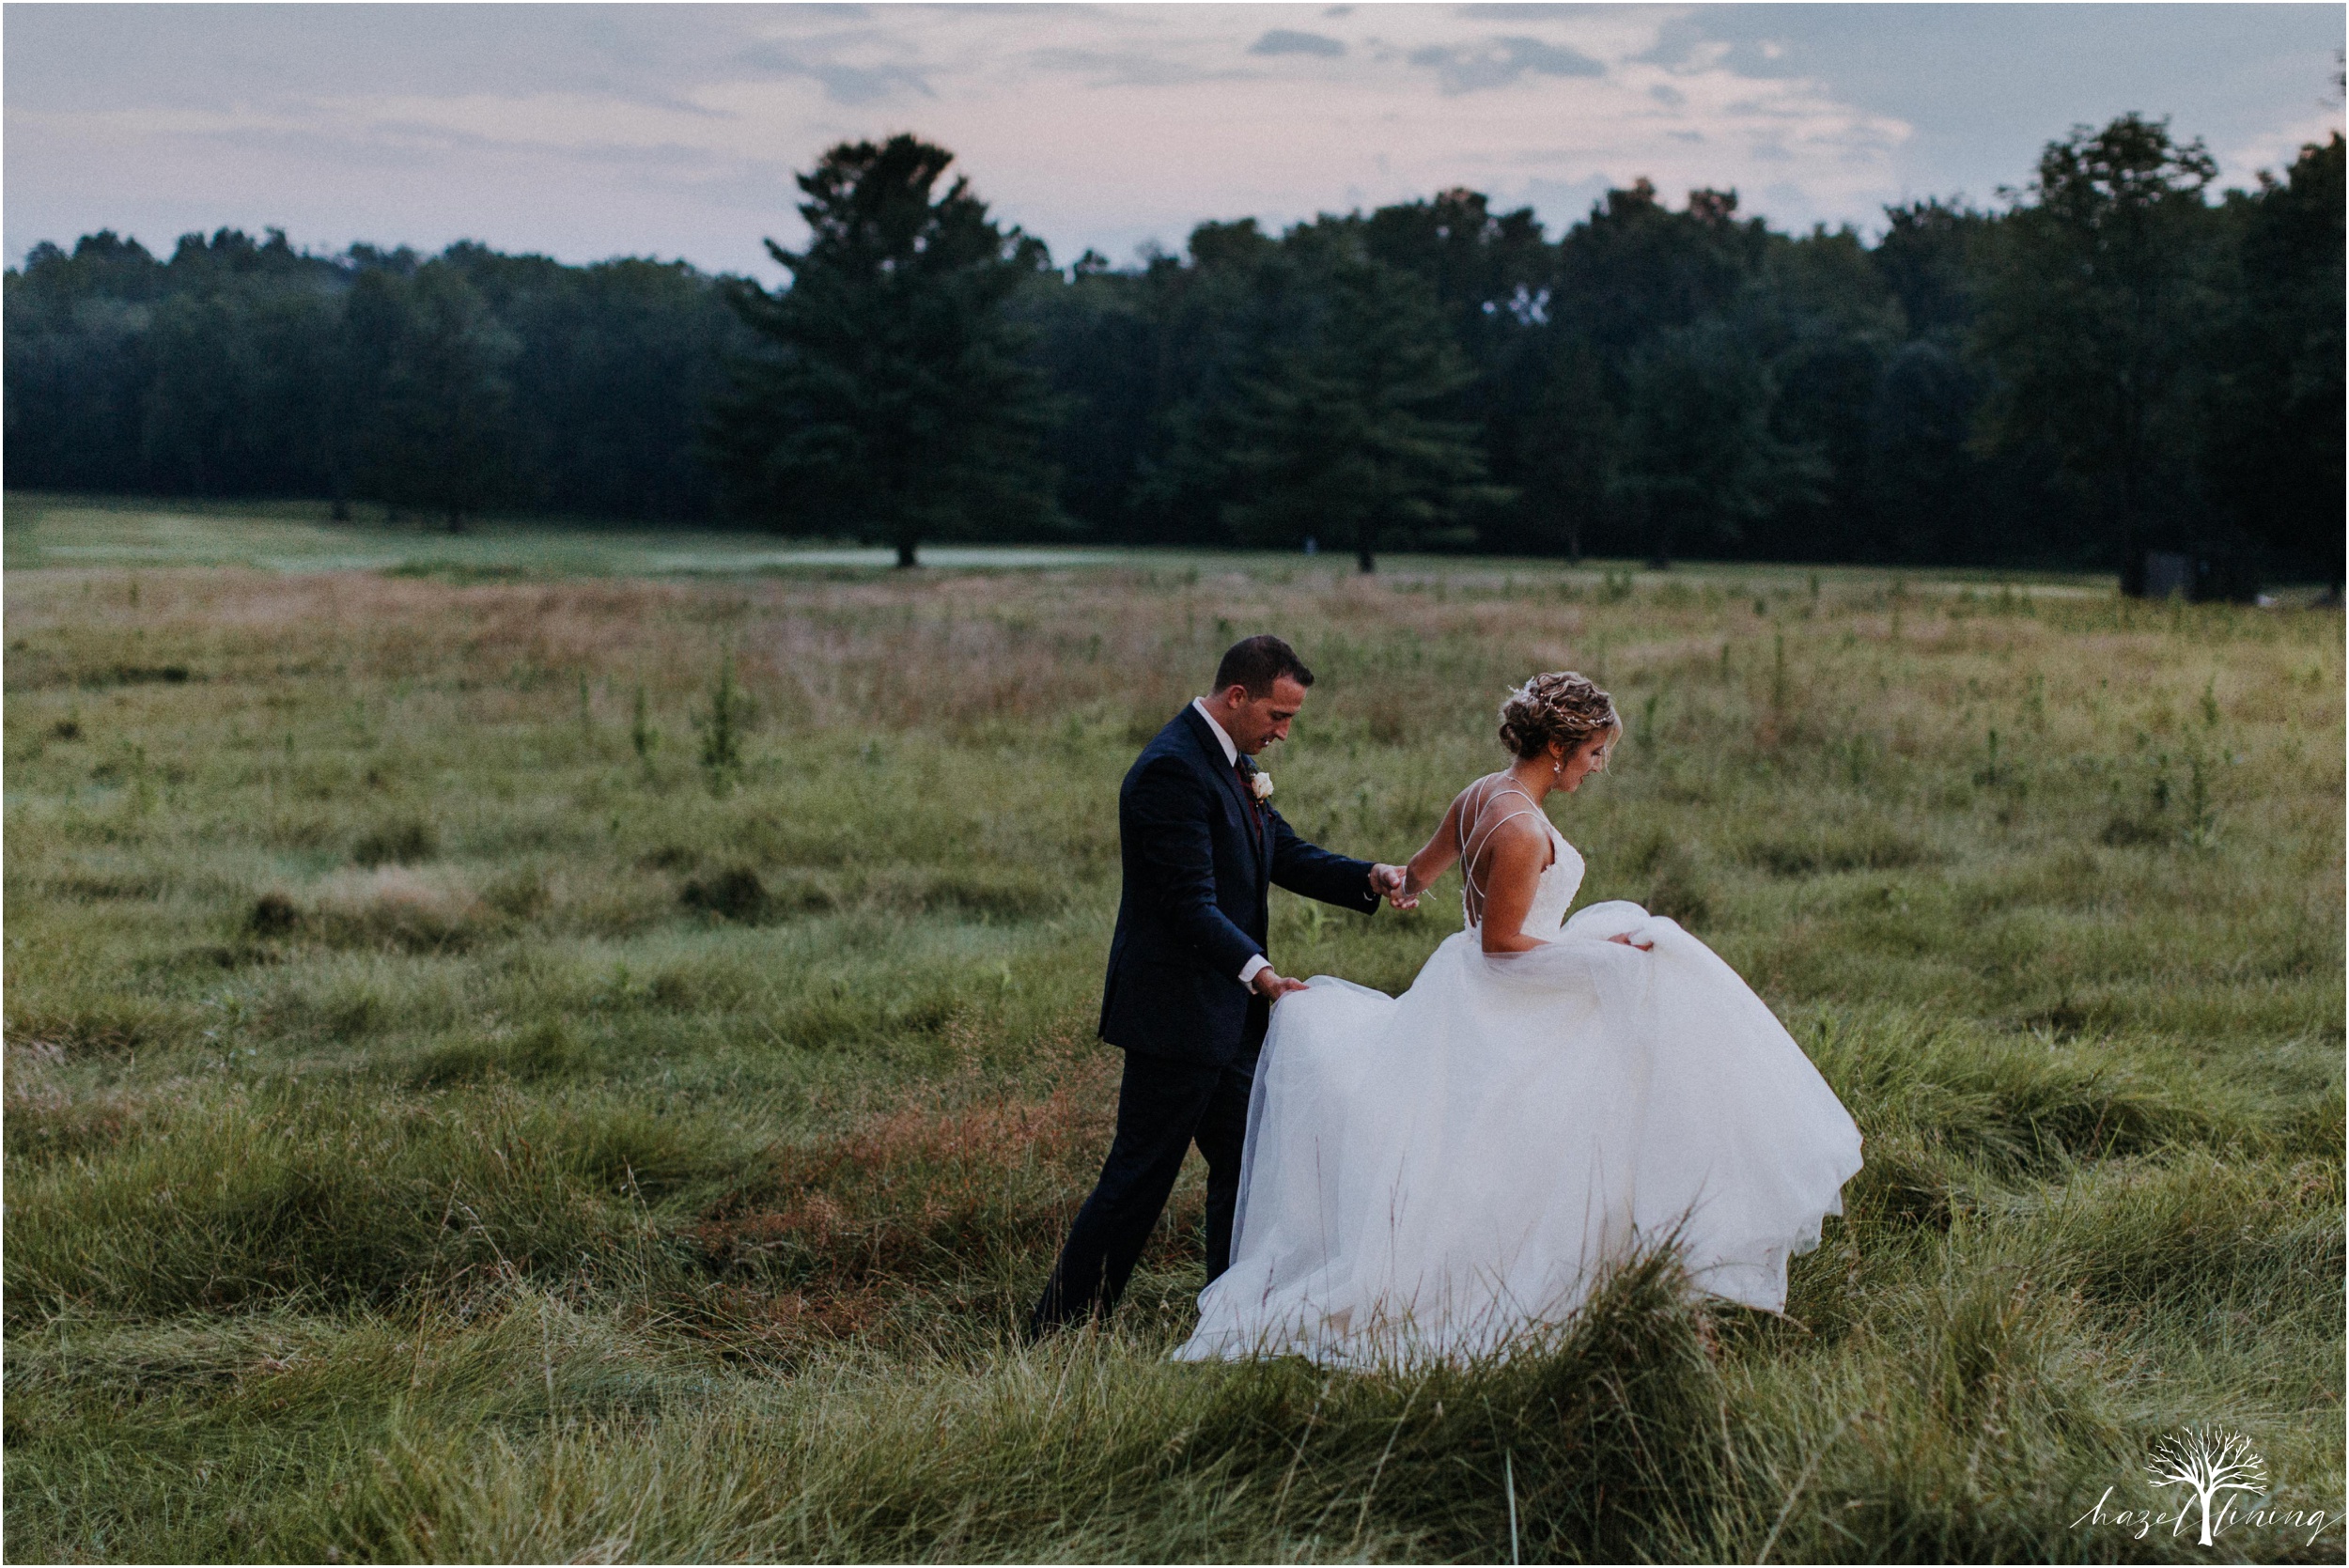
{"points": [[545, 1054]]}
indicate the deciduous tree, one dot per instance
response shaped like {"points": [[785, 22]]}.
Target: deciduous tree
{"points": [[2096, 310]]}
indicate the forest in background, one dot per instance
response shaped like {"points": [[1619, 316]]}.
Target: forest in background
{"points": [[2120, 359]]}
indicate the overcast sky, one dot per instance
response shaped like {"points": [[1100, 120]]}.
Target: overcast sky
{"points": [[593, 130]]}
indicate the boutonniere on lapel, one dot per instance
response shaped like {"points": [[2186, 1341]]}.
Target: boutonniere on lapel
{"points": [[1259, 783]]}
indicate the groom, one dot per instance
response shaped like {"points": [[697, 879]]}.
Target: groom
{"points": [[1189, 989]]}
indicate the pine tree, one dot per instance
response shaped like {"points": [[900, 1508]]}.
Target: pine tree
{"points": [[1566, 445], [442, 439], [1341, 433], [891, 401], [1699, 460]]}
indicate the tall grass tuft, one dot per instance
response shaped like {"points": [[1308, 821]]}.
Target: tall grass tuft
{"points": [[283, 1195], [722, 729]]}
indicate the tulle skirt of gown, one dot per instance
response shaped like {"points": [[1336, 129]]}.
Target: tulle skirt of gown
{"points": [[1434, 1172]]}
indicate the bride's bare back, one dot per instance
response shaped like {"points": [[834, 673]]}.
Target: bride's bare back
{"points": [[1495, 830]]}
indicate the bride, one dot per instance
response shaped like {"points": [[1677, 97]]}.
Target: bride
{"points": [[1433, 1173]]}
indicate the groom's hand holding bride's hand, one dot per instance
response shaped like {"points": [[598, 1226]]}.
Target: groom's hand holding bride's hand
{"points": [[1389, 882], [1274, 986]]}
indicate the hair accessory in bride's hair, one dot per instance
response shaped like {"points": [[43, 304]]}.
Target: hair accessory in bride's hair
{"points": [[1560, 706]]}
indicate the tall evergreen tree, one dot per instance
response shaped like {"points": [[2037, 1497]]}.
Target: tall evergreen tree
{"points": [[75, 340], [891, 401], [1923, 479], [1240, 298], [442, 439], [1338, 439], [1702, 460], [200, 420], [1097, 341], [1568, 445], [1821, 318]]}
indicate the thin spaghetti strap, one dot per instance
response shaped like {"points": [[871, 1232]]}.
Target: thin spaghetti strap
{"points": [[1473, 838], [1462, 831]]}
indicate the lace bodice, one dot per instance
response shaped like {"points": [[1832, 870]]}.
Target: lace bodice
{"points": [[1553, 893]]}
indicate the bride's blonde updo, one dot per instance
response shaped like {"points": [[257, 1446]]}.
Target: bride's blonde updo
{"points": [[1562, 706]]}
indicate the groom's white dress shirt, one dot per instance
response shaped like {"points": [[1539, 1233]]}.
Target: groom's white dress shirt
{"points": [[1248, 971]]}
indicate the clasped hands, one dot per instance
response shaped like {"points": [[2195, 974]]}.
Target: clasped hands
{"points": [[1392, 883]]}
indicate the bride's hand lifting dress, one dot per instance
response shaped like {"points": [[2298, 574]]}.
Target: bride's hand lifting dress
{"points": [[1434, 1172]]}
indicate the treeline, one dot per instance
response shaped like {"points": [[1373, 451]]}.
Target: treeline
{"points": [[2119, 362], [447, 385]]}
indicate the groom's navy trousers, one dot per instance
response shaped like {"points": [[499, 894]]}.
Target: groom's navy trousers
{"points": [[1200, 860]]}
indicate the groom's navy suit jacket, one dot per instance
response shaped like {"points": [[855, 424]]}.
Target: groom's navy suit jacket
{"points": [[1197, 899]]}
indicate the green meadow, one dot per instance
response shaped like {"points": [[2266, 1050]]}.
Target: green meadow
{"points": [[558, 1044]]}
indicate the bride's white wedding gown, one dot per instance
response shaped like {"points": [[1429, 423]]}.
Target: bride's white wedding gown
{"points": [[1431, 1174]]}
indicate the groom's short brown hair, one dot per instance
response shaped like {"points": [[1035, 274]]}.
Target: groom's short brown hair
{"points": [[1255, 662]]}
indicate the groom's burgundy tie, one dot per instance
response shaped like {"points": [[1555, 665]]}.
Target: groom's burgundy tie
{"points": [[1240, 766]]}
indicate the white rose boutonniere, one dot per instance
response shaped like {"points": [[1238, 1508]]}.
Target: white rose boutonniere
{"points": [[1260, 785]]}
